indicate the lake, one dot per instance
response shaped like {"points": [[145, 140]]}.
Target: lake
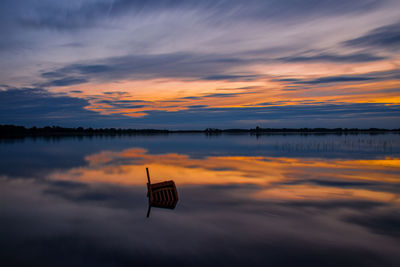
{"points": [[244, 200]]}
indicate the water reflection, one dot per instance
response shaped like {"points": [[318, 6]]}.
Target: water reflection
{"points": [[243, 201], [276, 177], [161, 195]]}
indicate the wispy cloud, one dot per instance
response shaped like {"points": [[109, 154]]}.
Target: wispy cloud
{"points": [[176, 65], [66, 81], [383, 37], [74, 15], [365, 77], [324, 57]]}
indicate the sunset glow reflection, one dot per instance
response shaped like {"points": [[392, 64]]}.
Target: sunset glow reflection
{"points": [[275, 177]]}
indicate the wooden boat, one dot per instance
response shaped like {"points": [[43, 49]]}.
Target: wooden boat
{"points": [[161, 195]]}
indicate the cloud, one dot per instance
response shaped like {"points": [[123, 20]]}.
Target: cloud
{"points": [[348, 58], [118, 93], [52, 74], [222, 95], [307, 115], [66, 81], [197, 106], [210, 40], [191, 97], [383, 37], [123, 103], [34, 106], [39, 107], [232, 77], [370, 76], [200, 40], [181, 65], [336, 79], [193, 66], [287, 80], [75, 15], [189, 66], [88, 69]]}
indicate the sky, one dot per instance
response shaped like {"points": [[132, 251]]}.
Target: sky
{"points": [[189, 64]]}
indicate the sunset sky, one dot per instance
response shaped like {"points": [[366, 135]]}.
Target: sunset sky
{"points": [[196, 64]]}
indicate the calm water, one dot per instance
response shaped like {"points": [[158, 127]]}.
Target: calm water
{"points": [[272, 200]]}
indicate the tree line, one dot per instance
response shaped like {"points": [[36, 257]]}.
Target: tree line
{"points": [[15, 130]]}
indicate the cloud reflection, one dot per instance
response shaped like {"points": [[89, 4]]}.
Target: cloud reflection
{"points": [[238, 206], [286, 178]]}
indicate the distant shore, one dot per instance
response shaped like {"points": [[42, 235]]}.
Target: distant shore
{"points": [[8, 131]]}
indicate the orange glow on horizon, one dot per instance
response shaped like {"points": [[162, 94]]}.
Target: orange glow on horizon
{"points": [[175, 94]]}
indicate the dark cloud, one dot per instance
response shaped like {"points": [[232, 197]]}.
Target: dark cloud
{"points": [[123, 103], [222, 95], [216, 95], [88, 69], [66, 81], [232, 77], [376, 76], [357, 57], [181, 65], [287, 80], [383, 37], [336, 79], [191, 97], [38, 107], [52, 74], [132, 101], [116, 93], [197, 106]]}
